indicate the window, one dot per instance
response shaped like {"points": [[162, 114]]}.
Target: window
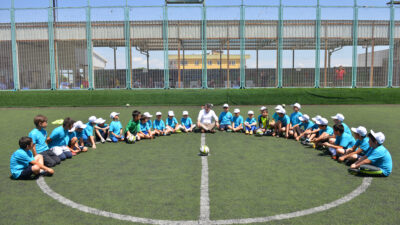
{"points": [[219, 62], [233, 62], [196, 62], [210, 62]]}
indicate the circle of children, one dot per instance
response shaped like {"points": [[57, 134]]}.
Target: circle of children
{"points": [[364, 153]]}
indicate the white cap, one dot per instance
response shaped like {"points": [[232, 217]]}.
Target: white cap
{"points": [[92, 119], [100, 121], [360, 130], [315, 119], [185, 113], [171, 113], [147, 114], [78, 125], [250, 113], [278, 107], [297, 105], [225, 106], [304, 117], [236, 111], [282, 110], [113, 114], [380, 137], [263, 108], [322, 122], [338, 117], [158, 113]]}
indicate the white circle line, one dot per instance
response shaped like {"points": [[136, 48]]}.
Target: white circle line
{"points": [[47, 190]]}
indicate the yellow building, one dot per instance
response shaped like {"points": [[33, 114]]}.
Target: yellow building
{"points": [[195, 62]]}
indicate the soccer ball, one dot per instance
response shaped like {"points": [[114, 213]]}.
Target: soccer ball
{"points": [[127, 105], [259, 132], [131, 139], [204, 150]]}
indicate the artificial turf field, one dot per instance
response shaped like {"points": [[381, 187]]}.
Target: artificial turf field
{"points": [[160, 179]]}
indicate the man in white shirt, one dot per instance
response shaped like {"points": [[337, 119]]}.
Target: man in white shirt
{"points": [[207, 119]]}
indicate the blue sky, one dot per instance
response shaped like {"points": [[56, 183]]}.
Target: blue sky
{"points": [[193, 12]]}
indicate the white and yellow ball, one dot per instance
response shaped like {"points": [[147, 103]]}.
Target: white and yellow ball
{"points": [[131, 138], [204, 150]]}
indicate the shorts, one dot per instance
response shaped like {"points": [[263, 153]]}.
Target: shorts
{"points": [[223, 126], [80, 148], [58, 150], [146, 132], [26, 174], [115, 139]]}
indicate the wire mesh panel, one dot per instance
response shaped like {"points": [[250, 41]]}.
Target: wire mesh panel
{"points": [[261, 46], [298, 59], [185, 46], [223, 47], [6, 62], [396, 55], [336, 47], [108, 56], [373, 47], [33, 48], [147, 47], [71, 49]]}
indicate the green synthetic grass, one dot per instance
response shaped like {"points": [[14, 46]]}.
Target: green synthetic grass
{"points": [[160, 179], [199, 97]]}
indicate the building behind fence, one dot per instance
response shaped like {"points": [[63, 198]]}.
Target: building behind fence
{"points": [[243, 45]]}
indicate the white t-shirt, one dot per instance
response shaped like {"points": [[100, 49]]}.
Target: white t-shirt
{"points": [[207, 118]]}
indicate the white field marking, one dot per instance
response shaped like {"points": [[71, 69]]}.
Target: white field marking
{"points": [[362, 188], [47, 190], [204, 194]]}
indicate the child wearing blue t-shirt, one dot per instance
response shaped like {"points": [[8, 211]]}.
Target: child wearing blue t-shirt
{"points": [[225, 119], [101, 130], [76, 142], [115, 131], [251, 123], [39, 138], [171, 123], [294, 119], [359, 149], [144, 127], [159, 125], [23, 164], [237, 121], [377, 161], [282, 124], [343, 142], [186, 123], [58, 140]]}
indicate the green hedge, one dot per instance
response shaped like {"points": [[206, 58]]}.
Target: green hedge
{"points": [[198, 97]]}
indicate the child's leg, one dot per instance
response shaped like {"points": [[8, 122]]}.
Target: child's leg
{"points": [[114, 139], [67, 153]]}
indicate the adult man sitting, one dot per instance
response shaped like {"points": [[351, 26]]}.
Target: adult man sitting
{"points": [[207, 119]]}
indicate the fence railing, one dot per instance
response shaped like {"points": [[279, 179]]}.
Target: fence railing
{"points": [[76, 45]]}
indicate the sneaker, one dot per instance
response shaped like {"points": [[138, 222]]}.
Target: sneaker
{"points": [[102, 141], [251, 132], [353, 171], [334, 157], [108, 139], [247, 132]]}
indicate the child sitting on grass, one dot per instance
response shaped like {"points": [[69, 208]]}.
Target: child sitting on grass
{"points": [[281, 124], [101, 130], [23, 164], [76, 142], [145, 129], [225, 119], [58, 140], [237, 121], [171, 122], [88, 136], [159, 125], [133, 127], [360, 148], [187, 123], [116, 131], [251, 123]]}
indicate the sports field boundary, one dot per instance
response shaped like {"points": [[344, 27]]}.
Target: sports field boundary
{"points": [[187, 97]]}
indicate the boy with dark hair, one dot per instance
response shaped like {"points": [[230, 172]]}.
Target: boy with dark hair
{"points": [[58, 139], [263, 121], [23, 164], [343, 141], [133, 126], [39, 138], [377, 161], [145, 128]]}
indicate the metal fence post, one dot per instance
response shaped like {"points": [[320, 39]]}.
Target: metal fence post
{"points": [[355, 44], [317, 46], [51, 45], [89, 45], [128, 48], [204, 46], [166, 47], [242, 48], [391, 48], [14, 48], [280, 43]]}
